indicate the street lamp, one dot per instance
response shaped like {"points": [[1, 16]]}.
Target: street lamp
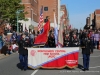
{"points": [[17, 19], [17, 14]]}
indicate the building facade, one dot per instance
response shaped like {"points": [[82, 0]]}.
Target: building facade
{"points": [[88, 25], [31, 7], [65, 16], [97, 18], [88, 21], [92, 19], [49, 7]]}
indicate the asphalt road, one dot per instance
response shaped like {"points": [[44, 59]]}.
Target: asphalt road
{"points": [[10, 66], [94, 67]]}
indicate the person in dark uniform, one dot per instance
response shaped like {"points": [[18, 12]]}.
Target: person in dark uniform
{"points": [[23, 53], [83, 34], [87, 49], [75, 41], [51, 40], [66, 41], [80, 36], [71, 35]]}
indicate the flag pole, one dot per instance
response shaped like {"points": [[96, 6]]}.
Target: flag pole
{"points": [[40, 25], [55, 30]]}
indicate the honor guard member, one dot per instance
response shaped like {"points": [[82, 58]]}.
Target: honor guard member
{"points": [[71, 38], [75, 41], [67, 41], [27, 41], [87, 49], [23, 53], [51, 40]]}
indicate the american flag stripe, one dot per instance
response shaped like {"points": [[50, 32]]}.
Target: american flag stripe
{"points": [[40, 19]]}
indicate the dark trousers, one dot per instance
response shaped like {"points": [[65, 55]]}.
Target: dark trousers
{"points": [[23, 60], [86, 58]]}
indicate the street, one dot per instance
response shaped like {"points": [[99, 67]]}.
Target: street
{"points": [[50, 32], [10, 66]]}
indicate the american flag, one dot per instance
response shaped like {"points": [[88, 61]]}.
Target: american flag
{"points": [[40, 19]]}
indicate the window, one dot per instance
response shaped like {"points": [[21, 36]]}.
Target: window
{"points": [[45, 8]]}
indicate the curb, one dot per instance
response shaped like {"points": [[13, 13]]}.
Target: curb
{"points": [[3, 56]]}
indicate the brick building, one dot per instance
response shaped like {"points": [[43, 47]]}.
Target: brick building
{"points": [[92, 22], [97, 18], [49, 6], [88, 25], [65, 15], [31, 6], [88, 21], [92, 19]]}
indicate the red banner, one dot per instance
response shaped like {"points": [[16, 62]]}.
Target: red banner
{"points": [[70, 61], [43, 35]]}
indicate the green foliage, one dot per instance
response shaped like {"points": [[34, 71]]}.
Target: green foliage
{"points": [[31, 27], [25, 19], [8, 10]]}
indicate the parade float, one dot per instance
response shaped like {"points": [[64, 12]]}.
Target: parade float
{"points": [[52, 58]]}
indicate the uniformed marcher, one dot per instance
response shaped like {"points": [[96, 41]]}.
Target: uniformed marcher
{"points": [[87, 49], [67, 41], [51, 40], [71, 38], [75, 41], [23, 53]]}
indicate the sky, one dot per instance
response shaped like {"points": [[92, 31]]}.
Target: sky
{"points": [[79, 10]]}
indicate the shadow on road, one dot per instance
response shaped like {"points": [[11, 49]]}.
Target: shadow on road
{"points": [[66, 68], [80, 66], [57, 69], [20, 67]]}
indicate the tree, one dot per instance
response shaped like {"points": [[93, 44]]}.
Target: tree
{"points": [[8, 10]]}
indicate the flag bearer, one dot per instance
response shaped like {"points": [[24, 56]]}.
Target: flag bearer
{"points": [[23, 53], [87, 49]]}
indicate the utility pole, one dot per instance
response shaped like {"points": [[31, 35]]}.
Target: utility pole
{"points": [[17, 14]]}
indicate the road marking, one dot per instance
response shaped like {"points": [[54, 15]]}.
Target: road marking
{"points": [[95, 67], [91, 56], [34, 72]]}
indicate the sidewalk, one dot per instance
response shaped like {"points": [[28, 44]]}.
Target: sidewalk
{"points": [[3, 56]]}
